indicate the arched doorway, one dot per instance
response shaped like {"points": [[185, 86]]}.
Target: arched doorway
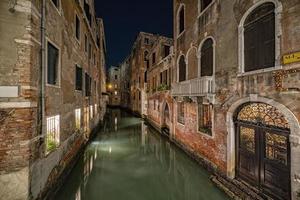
{"points": [[166, 119], [263, 149]]}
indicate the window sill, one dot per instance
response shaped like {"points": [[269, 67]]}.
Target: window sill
{"points": [[180, 124], [260, 71], [53, 86], [206, 135]]}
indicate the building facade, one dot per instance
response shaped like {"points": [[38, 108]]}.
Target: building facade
{"points": [[139, 64], [125, 84], [237, 89], [114, 80], [159, 79], [51, 83]]}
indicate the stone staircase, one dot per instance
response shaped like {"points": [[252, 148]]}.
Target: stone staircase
{"points": [[238, 190]]}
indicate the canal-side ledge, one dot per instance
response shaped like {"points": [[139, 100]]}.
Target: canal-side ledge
{"points": [[60, 173], [235, 189]]}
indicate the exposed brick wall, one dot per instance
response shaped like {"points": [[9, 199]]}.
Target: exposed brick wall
{"points": [[16, 128]]}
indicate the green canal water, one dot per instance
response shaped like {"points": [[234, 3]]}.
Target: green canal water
{"points": [[130, 161]]}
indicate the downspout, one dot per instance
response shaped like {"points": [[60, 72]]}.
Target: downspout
{"points": [[42, 74]]}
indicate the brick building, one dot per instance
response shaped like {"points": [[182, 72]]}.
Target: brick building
{"points": [[237, 90], [159, 79], [51, 83], [139, 64], [125, 84], [114, 84]]}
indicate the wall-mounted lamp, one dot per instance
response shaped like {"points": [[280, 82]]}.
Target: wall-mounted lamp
{"points": [[12, 4]]}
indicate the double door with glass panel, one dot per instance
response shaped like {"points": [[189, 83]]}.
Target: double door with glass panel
{"points": [[263, 158]]}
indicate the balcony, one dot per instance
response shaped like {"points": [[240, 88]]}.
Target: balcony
{"points": [[203, 86]]}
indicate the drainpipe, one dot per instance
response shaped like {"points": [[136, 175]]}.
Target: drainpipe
{"points": [[42, 74]]}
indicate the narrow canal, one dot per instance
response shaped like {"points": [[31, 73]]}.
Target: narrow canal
{"points": [[130, 161]]}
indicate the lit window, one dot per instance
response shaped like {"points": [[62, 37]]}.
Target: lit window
{"points": [[53, 133], [96, 109], [86, 119], [91, 112], [116, 93], [205, 118], [78, 194], [78, 118]]}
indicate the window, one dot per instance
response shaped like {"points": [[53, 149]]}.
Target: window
{"points": [[78, 75], [91, 112], [90, 51], [205, 118], [153, 58], [96, 109], [53, 133], [87, 85], [182, 69], [85, 43], [94, 59], [180, 112], [116, 93], [56, 3], [166, 51], [181, 20], [207, 58], [146, 41], [77, 28], [86, 119], [52, 64], [116, 77], [78, 119], [259, 38], [204, 4]]}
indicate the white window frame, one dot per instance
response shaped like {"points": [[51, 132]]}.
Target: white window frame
{"points": [[53, 124], [178, 20], [278, 33], [214, 55], [58, 9], [58, 85]]}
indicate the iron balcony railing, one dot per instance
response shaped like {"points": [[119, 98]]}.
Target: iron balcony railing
{"points": [[196, 87]]}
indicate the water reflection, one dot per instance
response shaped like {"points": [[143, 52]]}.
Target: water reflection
{"points": [[134, 162]]}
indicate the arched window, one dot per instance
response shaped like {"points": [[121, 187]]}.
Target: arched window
{"points": [[207, 58], [259, 38], [203, 4], [192, 64], [182, 69], [181, 21]]}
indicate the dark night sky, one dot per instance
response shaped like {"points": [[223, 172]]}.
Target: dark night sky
{"points": [[124, 19]]}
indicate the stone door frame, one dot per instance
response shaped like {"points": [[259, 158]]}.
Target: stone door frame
{"points": [[294, 139]]}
